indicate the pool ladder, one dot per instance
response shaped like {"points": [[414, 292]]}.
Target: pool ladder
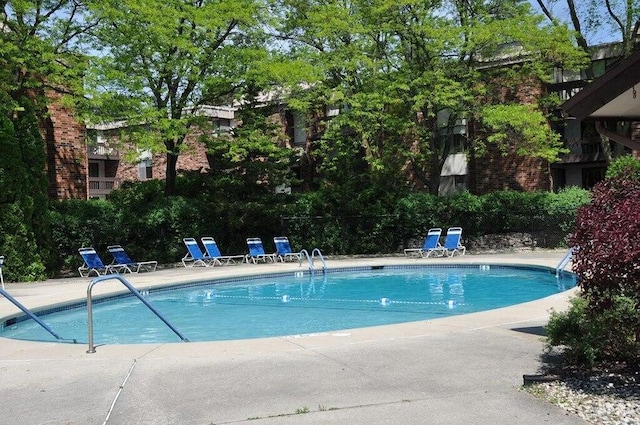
{"points": [[134, 291], [311, 259], [563, 263]]}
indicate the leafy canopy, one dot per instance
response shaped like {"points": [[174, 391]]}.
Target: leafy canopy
{"points": [[394, 66]]}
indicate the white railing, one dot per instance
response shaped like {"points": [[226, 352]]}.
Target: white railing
{"points": [[102, 150]]}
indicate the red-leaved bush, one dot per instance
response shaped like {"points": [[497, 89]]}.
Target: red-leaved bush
{"points": [[602, 325], [607, 240]]}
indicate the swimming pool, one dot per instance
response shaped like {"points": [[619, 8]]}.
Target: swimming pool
{"points": [[297, 303]]}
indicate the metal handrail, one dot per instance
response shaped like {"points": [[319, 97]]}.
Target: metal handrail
{"points": [[565, 260], [324, 263], [134, 291], [26, 311], [311, 259], [306, 254], [1, 264]]}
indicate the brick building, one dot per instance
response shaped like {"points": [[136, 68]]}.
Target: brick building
{"points": [[108, 168], [497, 170], [66, 165], [81, 164]]}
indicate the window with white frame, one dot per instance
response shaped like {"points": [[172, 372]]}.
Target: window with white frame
{"points": [[145, 166], [145, 169]]}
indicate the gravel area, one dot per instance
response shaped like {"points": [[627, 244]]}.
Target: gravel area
{"points": [[603, 399]]}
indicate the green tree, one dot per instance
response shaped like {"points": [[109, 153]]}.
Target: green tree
{"points": [[407, 73], [40, 47], [24, 233], [160, 62], [38, 60], [251, 161]]}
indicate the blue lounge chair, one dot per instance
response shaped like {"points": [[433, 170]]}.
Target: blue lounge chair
{"points": [[284, 251], [92, 263], [121, 258], [256, 251], [452, 242], [212, 251], [194, 254], [430, 246]]}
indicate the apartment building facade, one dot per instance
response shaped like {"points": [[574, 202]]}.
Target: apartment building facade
{"points": [[591, 143], [83, 164]]}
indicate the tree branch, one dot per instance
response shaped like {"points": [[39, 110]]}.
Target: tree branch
{"points": [[546, 11], [615, 18]]}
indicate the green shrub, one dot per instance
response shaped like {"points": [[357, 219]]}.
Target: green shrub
{"points": [[570, 330], [510, 211], [462, 209], [77, 223], [23, 262], [561, 209], [370, 221], [591, 337], [624, 165], [417, 213]]}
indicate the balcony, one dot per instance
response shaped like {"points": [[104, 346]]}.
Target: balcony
{"points": [[567, 90], [582, 151], [99, 187], [583, 146]]}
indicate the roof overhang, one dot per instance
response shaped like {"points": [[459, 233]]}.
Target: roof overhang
{"points": [[613, 96]]}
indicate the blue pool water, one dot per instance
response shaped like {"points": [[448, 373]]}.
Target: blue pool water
{"points": [[297, 303]]}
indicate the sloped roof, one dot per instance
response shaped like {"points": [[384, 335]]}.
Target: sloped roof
{"points": [[612, 96]]}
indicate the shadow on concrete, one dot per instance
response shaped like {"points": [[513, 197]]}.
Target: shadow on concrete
{"points": [[533, 330]]}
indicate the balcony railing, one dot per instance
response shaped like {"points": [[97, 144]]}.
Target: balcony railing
{"points": [[101, 186], [581, 146], [101, 150], [567, 89]]}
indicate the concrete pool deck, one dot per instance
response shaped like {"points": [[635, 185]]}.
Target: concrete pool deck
{"points": [[458, 370]]}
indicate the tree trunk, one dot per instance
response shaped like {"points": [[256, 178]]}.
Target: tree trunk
{"points": [[171, 174]]}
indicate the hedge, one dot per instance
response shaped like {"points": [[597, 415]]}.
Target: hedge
{"points": [[151, 226]]}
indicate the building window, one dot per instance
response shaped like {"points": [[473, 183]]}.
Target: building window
{"points": [[460, 183], [223, 125], [452, 132], [145, 169], [299, 129], [456, 143]]}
